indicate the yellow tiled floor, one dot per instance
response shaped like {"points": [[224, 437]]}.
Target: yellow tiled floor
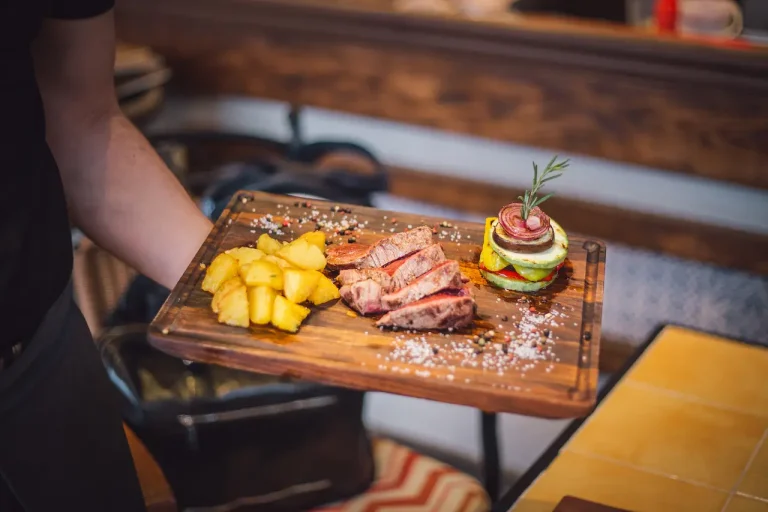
{"points": [[665, 434], [716, 370], [685, 430], [755, 481], [596, 480], [742, 504]]}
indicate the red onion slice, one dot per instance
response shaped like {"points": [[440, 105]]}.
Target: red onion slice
{"points": [[514, 225]]}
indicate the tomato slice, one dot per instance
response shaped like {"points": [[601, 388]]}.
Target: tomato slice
{"points": [[509, 273]]}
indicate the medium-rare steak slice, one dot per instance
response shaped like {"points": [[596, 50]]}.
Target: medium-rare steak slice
{"points": [[363, 296], [400, 272], [440, 311], [407, 269], [446, 276], [382, 252], [396, 246]]}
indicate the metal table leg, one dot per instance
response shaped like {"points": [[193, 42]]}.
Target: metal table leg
{"points": [[491, 467]]}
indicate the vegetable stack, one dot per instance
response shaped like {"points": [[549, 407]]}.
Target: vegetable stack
{"points": [[523, 248]]}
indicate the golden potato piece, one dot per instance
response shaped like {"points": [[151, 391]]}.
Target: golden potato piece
{"points": [[280, 262], [324, 291], [264, 273], [233, 308], [260, 302], [316, 238], [286, 315], [226, 287], [222, 267], [302, 254], [245, 255], [299, 284], [267, 244]]}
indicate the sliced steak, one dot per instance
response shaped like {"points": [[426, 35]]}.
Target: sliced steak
{"points": [[405, 270], [446, 276], [443, 310], [400, 272], [339, 257], [382, 252], [348, 277], [396, 246], [363, 296]]}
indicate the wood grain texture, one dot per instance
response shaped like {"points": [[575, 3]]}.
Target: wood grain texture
{"points": [[591, 90], [333, 347]]}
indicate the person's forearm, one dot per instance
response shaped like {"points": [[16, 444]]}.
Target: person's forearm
{"points": [[124, 198]]}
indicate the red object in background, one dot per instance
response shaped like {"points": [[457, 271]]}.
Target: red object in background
{"points": [[666, 15]]}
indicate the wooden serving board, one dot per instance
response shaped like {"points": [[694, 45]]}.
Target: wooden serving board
{"points": [[548, 367]]}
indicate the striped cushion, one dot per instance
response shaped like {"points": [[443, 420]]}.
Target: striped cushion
{"points": [[408, 481]]}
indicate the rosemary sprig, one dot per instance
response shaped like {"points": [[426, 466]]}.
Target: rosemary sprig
{"points": [[530, 200]]}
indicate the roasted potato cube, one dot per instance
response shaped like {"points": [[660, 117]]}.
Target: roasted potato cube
{"points": [[299, 284], [264, 273], [280, 262], [302, 254], [316, 238], [267, 244], [286, 315], [226, 287], [222, 267], [233, 308], [245, 255], [324, 291], [243, 271], [260, 302]]}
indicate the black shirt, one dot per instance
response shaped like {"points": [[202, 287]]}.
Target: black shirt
{"points": [[35, 239]]}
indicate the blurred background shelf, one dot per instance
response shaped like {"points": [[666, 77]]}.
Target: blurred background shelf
{"points": [[590, 87]]}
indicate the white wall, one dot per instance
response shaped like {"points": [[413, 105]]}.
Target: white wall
{"points": [[662, 289]]}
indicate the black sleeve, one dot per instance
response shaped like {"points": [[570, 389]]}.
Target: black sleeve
{"points": [[78, 9]]}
